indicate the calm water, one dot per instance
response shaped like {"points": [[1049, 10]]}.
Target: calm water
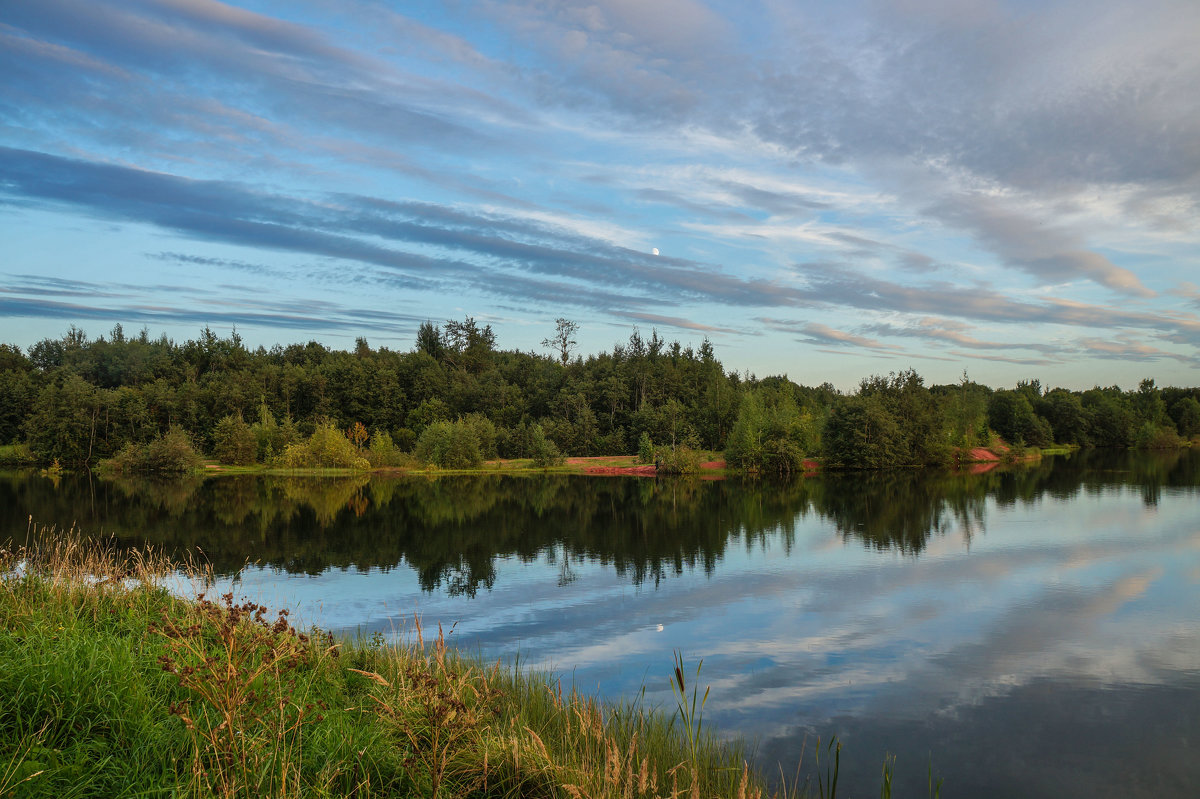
{"points": [[1035, 631]]}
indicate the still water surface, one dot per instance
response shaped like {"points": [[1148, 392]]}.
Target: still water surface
{"points": [[1034, 631]]}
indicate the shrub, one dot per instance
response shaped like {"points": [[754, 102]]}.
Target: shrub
{"points": [[384, 452], [16, 455], [405, 439], [484, 431], [612, 442], [782, 456], [171, 453], [645, 449], [326, 448], [234, 442], [544, 452], [449, 445], [515, 441], [1186, 413], [271, 437], [1152, 436], [682, 460]]}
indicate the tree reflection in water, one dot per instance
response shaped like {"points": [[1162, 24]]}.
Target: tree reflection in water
{"points": [[452, 530]]}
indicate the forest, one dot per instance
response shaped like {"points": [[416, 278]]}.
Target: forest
{"points": [[455, 399]]}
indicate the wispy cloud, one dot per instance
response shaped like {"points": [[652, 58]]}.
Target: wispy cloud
{"points": [[1049, 253], [677, 322], [1025, 177], [307, 315], [952, 332], [823, 335], [1125, 347], [842, 286], [231, 213]]}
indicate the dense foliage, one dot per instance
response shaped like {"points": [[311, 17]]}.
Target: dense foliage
{"points": [[170, 453], [326, 448], [456, 399]]}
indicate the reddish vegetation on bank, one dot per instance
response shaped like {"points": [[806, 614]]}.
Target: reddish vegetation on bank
{"points": [[628, 465], [645, 471], [975, 460], [981, 454]]}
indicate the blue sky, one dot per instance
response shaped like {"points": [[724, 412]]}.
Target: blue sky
{"points": [[834, 189]]}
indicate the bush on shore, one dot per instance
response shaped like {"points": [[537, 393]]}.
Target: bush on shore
{"points": [[234, 441], [170, 453], [1151, 436], [543, 450], [326, 448], [449, 445], [681, 460], [383, 452]]}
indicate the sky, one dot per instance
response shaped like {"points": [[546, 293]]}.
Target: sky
{"points": [[825, 190]]}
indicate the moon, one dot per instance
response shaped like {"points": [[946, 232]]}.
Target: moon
{"points": [[655, 251]]}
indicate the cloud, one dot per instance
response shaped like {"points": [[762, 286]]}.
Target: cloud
{"points": [[651, 60], [1189, 291], [684, 202], [675, 321], [1013, 359], [226, 263], [774, 202], [195, 73], [48, 285], [1085, 101], [1128, 348], [298, 315], [1047, 252], [439, 247], [51, 287], [816, 333], [1087, 94], [978, 162], [949, 331], [910, 260], [837, 285], [482, 245]]}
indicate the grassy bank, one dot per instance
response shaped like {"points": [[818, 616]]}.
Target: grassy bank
{"points": [[111, 686], [596, 465]]}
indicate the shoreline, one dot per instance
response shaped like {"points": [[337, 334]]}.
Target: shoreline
{"points": [[619, 465], [207, 696]]}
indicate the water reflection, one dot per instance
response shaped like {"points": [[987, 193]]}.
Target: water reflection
{"points": [[1024, 626], [1047, 739], [452, 530]]}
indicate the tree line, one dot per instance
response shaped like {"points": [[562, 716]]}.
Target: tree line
{"points": [[456, 398]]}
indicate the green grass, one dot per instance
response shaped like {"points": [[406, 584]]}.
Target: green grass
{"points": [[112, 690], [16, 456], [1060, 449], [111, 686]]}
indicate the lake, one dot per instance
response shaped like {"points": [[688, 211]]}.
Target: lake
{"points": [[1034, 630]]}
